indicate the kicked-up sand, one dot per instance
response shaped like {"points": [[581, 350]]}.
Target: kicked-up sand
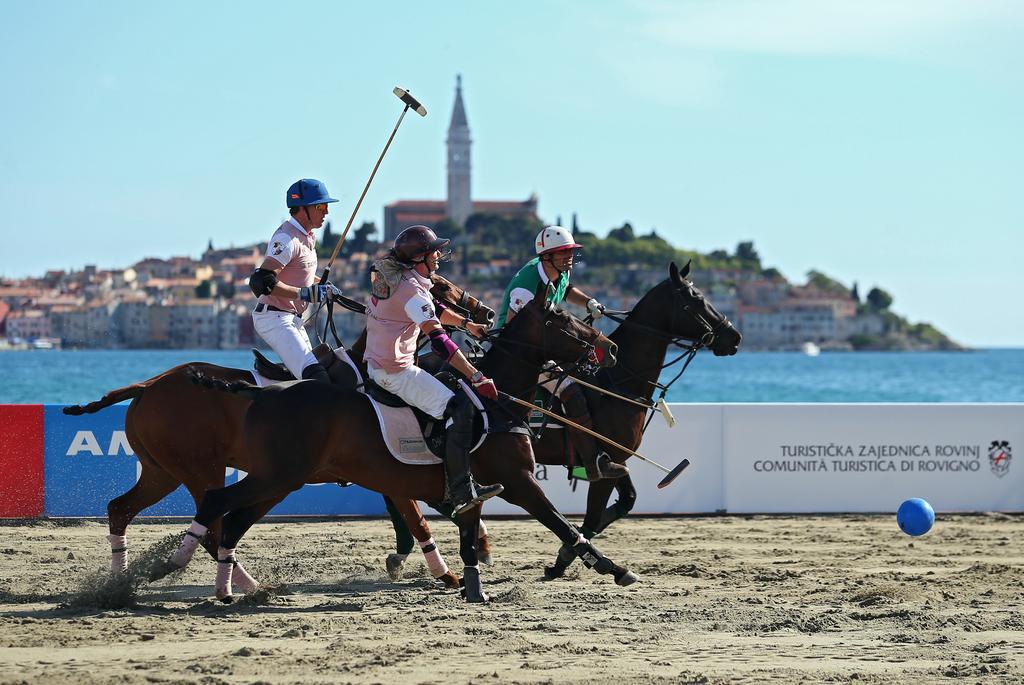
{"points": [[734, 599]]}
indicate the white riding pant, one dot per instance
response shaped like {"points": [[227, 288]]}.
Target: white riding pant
{"points": [[415, 386], [552, 383], [286, 336]]}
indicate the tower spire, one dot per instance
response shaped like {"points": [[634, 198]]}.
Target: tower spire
{"points": [[460, 202]]}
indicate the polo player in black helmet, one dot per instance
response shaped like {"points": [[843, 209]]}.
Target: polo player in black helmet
{"points": [[400, 308]]}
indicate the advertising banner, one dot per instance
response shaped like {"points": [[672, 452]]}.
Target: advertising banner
{"points": [[697, 436], [869, 458], [88, 462], [21, 460], [763, 458]]}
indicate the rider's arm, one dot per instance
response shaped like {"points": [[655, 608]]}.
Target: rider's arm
{"points": [[517, 299], [280, 289], [449, 318], [577, 296], [446, 349], [280, 251]]}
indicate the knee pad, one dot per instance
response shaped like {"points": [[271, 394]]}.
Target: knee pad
{"points": [[316, 372], [460, 409], [573, 401]]}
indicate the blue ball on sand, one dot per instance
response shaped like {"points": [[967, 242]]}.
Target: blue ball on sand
{"points": [[915, 517]]}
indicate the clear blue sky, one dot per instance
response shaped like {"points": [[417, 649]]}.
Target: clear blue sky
{"points": [[879, 141]]}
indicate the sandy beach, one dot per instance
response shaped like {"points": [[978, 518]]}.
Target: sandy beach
{"points": [[720, 600]]}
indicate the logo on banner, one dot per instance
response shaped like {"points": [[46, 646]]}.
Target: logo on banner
{"points": [[999, 457]]}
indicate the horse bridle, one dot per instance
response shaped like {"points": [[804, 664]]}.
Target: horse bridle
{"points": [[588, 350], [706, 339]]}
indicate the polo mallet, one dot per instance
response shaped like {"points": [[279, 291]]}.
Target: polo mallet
{"points": [[410, 103], [659, 406], [667, 480]]}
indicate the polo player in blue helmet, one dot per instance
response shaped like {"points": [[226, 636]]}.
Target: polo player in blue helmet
{"points": [[285, 284]]}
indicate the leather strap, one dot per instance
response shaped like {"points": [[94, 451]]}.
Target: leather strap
{"points": [[261, 307]]}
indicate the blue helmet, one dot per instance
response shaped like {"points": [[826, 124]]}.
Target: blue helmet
{"points": [[307, 191]]}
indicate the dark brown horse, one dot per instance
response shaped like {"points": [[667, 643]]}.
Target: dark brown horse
{"points": [[183, 434], [337, 443], [672, 311]]}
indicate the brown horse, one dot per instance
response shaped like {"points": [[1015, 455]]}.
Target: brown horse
{"points": [[338, 444], [183, 434], [671, 311]]}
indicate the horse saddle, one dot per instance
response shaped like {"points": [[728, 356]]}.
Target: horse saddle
{"points": [[341, 373], [414, 437]]}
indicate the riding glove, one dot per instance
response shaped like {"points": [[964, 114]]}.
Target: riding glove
{"points": [[484, 386], [595, 308], [319, 293]]}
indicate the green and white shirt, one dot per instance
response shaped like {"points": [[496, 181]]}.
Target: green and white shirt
{"points": [[524, 284]]}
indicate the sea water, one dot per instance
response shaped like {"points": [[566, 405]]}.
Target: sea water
{"points": [[997, 375]]}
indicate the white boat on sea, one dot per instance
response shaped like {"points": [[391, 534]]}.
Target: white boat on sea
{"points": [[810, 349]]}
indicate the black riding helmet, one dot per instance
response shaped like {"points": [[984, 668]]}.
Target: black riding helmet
{"points": [[414, 243]]}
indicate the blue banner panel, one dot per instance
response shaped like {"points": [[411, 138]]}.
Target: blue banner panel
{"points": [[87, 461]]}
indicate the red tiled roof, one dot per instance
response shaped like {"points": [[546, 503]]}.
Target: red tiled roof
{"points": [[418, 204], [418, 217]]}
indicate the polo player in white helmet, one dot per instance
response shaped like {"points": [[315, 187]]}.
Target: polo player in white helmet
{"points": [[552, 266]]}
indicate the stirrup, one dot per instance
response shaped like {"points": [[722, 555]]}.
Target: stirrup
{"points": [[483, 492]]}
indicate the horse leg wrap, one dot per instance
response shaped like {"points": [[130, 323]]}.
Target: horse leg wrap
{"points": [[592, 558], [193, 536], [242, 580], [473, 589], [435, 562], [118, 553], [225, 566]]}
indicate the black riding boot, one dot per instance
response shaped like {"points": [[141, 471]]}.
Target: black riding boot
{"points": [[597, 462], [316, 372], [462, 491]]}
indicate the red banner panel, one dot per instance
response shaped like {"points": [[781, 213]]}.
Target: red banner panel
{"points": [[21, 460]]}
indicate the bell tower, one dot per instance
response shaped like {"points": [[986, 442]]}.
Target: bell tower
{"points": [[460, 203]]}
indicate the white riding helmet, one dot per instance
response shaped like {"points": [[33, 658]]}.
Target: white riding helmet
{"points": [[555, 238]]}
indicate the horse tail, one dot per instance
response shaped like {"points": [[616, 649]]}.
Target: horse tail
{"points": [[247, 390], [128, 392]]}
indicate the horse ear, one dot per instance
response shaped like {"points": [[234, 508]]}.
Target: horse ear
{"points": [[673, 274], [541, 292], [686, 269], [548, 292]]}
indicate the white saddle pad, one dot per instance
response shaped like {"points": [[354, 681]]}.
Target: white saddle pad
{"points": [[402, 433]]}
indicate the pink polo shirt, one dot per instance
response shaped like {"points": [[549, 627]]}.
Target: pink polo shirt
{"points": [[392, 325], [295, 248]]}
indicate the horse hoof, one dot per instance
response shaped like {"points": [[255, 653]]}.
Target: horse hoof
{"points": [[450, 580], [394, 564], [225, 597], [484, 559], [627, 578], [473, 589], [160, 569], [553, 572]]}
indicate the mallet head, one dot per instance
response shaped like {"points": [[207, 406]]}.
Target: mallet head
{"points": [[409, 100]]}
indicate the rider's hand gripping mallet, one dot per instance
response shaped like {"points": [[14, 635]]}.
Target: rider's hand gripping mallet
{"points": [[410, 103], [667, 480]]}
